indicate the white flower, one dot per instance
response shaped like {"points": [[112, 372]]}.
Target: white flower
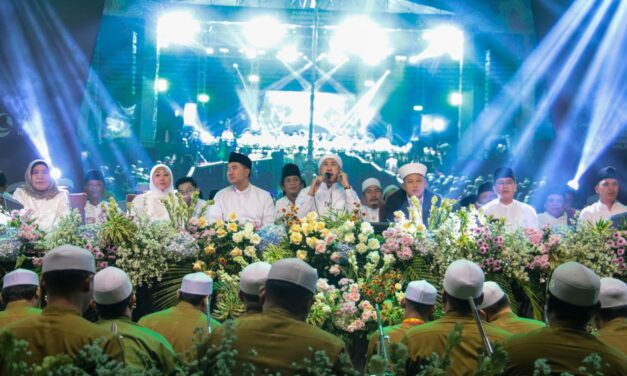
{"points": [[361, 248], [362, 237], [349, 238], [238, 237], [388, 259], [366, 228], [249, 251], [374, 257], [373, 244], [255, 239]]}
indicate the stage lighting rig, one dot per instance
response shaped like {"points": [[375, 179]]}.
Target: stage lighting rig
{"points": [[360, 36], [177, 28], [442, 40], [264, 32]]}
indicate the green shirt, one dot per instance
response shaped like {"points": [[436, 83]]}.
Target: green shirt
{"points": [[280, 341], [423, 340], [182, 326], [61, 330], [614, 333], [510, 322], [17, 310], [564, 349], [142, 344]]}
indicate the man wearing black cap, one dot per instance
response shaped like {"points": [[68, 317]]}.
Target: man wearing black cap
{"points": [[251, 204], [514, 212], [485, 194], [291, 184], [608, 206], [94, 188]]}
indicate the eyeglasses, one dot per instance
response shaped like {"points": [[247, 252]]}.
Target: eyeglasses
{"points": [[502, 183]]}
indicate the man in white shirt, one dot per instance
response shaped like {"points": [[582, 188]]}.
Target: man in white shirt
{"points": [[371, 194], [555, 206], [187, 186], [608, 206], [515, 213], [250, 203], [291, 184], [94, 188], [329, 190]]}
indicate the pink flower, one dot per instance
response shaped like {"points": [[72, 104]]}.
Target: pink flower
{"points": [[334, 270], [103, 264], [335, 256], [356, 325], [321, 247], [620, 252], [212, 232], [37, 261]]}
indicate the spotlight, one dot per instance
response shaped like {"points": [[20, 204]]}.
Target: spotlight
{"points": [[574, 184], [432, 123], [455, 98], [223, 50], [55, 173], [203, 98], [264, 32], [445, 39], [400, 58], [368, 83], [177, 28], [209, 51], [162, 85], [418, 108], [235, 66], [439, 125], [360, 36], [253, 78], [288, 54]]}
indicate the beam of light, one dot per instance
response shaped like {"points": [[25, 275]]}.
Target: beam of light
{"points": [[288, 54], [360, 36], [498, 114], [177, 28], [443, 40], [264, 32], [365, 109]]}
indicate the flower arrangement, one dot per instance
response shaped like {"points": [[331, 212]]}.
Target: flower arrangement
{"points": [[310, 240], [28, 232]]}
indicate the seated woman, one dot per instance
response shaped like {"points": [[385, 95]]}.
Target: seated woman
{"points": [[149, 204], [41, 194]]}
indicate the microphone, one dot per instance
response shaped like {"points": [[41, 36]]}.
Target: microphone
{"points": [[327, 176]]}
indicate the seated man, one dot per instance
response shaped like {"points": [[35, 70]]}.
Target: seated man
{"points": [[95, 189], [114, 297], [498, 312], [463, 280], [283, 341], [555, 208], [20, 296], [187, 186], [291, 185], [573, 300], [330, 190], [184, 323], [251, 280], [485, 194], [612, 318], [607, 188], [371, 192], [250, 203], [514, 212], [414, 185], [67, 279]]}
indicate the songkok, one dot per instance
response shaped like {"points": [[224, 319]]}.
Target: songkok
{"points": [[463, 279], [197, 284], [492, 293], [369, 183], [68, 257], [608, 172], [254, 276], [504, 172], [613, 293], [290, 169], [111, 285], [485, 187], [94, 175], [575, 284], [20, 277], [412, 168], [294, 271], [421, 292], [335, 157], [241, 158], [390, 188]]}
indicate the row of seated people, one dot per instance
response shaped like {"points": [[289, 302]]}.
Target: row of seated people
{"points": [[329, 191], [272, 335]]}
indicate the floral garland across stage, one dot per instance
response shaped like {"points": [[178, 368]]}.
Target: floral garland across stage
{"points": [[357, 267]]}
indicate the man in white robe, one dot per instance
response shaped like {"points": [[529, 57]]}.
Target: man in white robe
{"points": [[555, 209], [515, 213], [94, 189], [607, 188], [291, 185], [371, 194]]}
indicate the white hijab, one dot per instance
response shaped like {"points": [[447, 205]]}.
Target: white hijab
{"points": [[156, 192]]}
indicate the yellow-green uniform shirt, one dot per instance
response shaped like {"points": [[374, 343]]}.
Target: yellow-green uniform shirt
{"points": [[395, 332], [280, 341], [60, 330], [17, 310], [614, 333], [510, 322], [564, 349], [178, 325], [423, 340], [139, 344]]}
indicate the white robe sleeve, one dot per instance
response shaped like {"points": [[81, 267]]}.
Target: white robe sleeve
{"points": [[304, 203], [215, 210], [268, 210], [351, 200]]}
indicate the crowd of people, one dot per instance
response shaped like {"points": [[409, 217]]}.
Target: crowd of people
{"points": [[272, 335]]}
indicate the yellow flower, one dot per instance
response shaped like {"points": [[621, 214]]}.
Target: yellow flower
{"points": [[325, 232], [236, 252], [311, 216], [198, 265], [312, 242], [319, 226], [373, 244], [302, 255], [308, 229], [295, 228], [210, 249], [249, 251], [219, 223], [398, 286], [296, 238], [221, 233], [238, 237], [210, 273], [202, 222], [232, 217], [349, 238], [421, 227], [232, 227], [361, 248]]}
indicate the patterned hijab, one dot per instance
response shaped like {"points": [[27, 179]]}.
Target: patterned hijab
{"points": [[153, 188], [47, 194]]}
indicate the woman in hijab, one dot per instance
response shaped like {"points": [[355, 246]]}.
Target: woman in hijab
{"points": [[41, 194], [149, 204]]}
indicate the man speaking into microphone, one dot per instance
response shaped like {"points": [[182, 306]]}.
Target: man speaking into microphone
{"points": [[330, 190]]}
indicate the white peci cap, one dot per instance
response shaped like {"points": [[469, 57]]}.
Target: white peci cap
{"points": [[68, 257], [492, 293], [296, 271], [412, 168], [613, 293], [575, 284], [369, 183], [254, 276], [20, 277], [464, 279], [421, 292], [335, 157], [197, 284], [111, 285]]}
